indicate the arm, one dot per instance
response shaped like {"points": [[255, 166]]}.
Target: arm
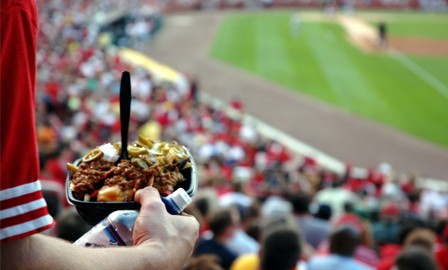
{"points": [[162, 241], [44, 252]]}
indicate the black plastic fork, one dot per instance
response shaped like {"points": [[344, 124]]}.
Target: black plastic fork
{"points": [[125, 113]]}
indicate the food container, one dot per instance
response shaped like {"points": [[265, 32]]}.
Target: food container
{"points": [[94, 212]]}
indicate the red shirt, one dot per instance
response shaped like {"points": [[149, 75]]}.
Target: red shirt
{"points": [[441, 255], [23, 209]]}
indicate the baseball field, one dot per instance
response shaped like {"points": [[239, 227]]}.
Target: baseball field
{"points": [[337, 59]]}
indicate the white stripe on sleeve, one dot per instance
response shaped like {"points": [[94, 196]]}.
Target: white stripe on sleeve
{"points": [[22, 209], [20, 190], [25, 227]]}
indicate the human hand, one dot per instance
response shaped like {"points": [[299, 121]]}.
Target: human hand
{"points": [[173, 235]]}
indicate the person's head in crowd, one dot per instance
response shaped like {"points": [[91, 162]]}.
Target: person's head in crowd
{"points": [[390, 213], [200, 209], [415, 258], [276, 219], [422, 237], [350, 218], [407, 227], [321, 211], [202, 205], [254, 230], [241, 242], [247, 214], [280, 248], [348, 207], [275, 202], [344, 240], [223, 223], [326, 178], [70, 226], [300, 203], [203, 262], [237, 186]]}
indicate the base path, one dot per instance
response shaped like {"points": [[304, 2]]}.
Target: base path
{"points": [[184, 43]]}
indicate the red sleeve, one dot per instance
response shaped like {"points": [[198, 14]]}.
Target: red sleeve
{"points": [[23, 210]]}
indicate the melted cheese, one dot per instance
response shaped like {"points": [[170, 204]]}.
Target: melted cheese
{"points": [[113, 194]]}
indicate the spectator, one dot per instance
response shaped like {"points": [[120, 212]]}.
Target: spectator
{"points": [[223, 224], [415, 258], [385, 231], [321, 211], [433, 204], [204, 202], [427, 239], [275, 203], [389, 252], [336, 197], [280, 247], [194, 89], [314, 230], [421, 237], [343, 243], [364, 252], [236, 195], [241, 243], [236, 104], [349, 217]]}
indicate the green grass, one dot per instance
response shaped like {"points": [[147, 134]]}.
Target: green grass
{"points": [[437, 30], [321, 63]]}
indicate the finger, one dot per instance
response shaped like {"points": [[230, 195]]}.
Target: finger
{"points": [[147, 194]]}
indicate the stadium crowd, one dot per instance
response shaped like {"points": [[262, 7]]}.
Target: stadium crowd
{"points": [[248, 184]]}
